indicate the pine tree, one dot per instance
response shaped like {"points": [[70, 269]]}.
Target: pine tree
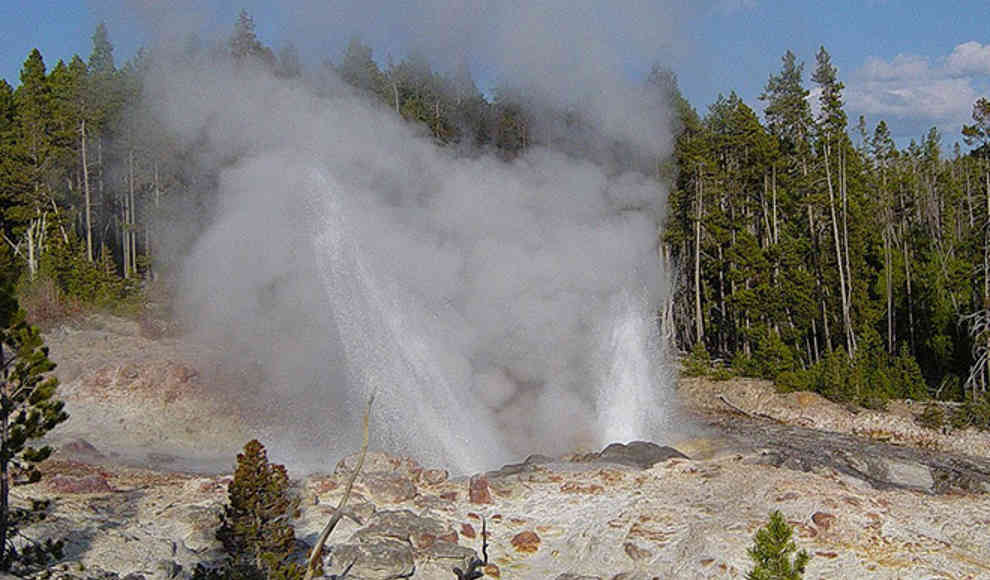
{"points": [[255, 531], [244, 44], [771, 552], [787, 112], [358, 69], [28, 410], [833, 143], [33, 154], [101, 59]]}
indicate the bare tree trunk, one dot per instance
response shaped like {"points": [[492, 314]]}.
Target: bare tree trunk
{"points": [[850, 349], [986, 277], [969, 200], [889, 289], [907, 281], [699, 198], [4, 475], [668, 333], [132, 206], [723, 327], [888, 234], [149, 222], [818, 281], [86, 193], [773, 189], [32, 250], [844, 191], [125, 242]]}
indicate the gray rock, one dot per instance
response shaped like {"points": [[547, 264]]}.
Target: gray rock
{"points": [[909, 475], [642, 454], [404, 526], [388, 487], [440, 558], [378, 559], [881, 465], [528, 465]]}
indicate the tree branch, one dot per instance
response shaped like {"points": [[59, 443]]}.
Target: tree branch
{"points": [[317, 554], [16, 247]]}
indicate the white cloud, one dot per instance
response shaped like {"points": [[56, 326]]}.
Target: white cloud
{"points": [[926, 91], [903, 66], [944, 99], [969, 58]]}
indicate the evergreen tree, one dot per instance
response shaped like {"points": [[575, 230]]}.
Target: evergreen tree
{"points": [[771, 552], [101, 58], [358, 69], [28, 410], [244, 44], [834, 146], [33, 155], [255, 531], [787, 112]]}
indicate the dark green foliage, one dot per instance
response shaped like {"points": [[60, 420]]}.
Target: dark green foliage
{"points": [[94, 283], [933, 417], [697, 363], [772, 552], [771, 358], [27, 404], [245, 46], [870, 379], [28, 410], [8, 278], [29, 555], [974, 412], [255, 531]]}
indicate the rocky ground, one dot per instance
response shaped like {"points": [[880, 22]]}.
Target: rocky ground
{"points": [[869, 494]]}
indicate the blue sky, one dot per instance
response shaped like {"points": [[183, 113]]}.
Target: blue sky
{"points": [[913, 64]]}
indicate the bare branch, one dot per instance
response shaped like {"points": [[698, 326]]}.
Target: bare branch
{"points": [[16, 247], [317, 554], [474, 570]]}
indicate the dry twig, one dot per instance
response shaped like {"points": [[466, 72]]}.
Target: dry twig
{"points": [[316, 555], [475, 570]]}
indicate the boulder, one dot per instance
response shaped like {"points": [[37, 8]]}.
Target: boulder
{"points": [[378, 559], [641, 454], [387, 487], [405, 526], [478, 491]]}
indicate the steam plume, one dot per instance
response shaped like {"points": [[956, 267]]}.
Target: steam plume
{"points": [[498, 309]]}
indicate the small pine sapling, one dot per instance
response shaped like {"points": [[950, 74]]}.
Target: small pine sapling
{"points": [[773, 545]]}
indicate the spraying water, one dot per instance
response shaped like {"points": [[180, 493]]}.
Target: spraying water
{"points": [[439, 404], [393, 351], [631, 395]]}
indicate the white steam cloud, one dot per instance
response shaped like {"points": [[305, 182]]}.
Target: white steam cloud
{"points": [[497, 309]]}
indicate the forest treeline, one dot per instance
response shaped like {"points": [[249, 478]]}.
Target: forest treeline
{"points": [[810, 247], [806, 249]]}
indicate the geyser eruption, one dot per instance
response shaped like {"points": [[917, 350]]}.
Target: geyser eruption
{"points": [[496, 308], [508, 352]]}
